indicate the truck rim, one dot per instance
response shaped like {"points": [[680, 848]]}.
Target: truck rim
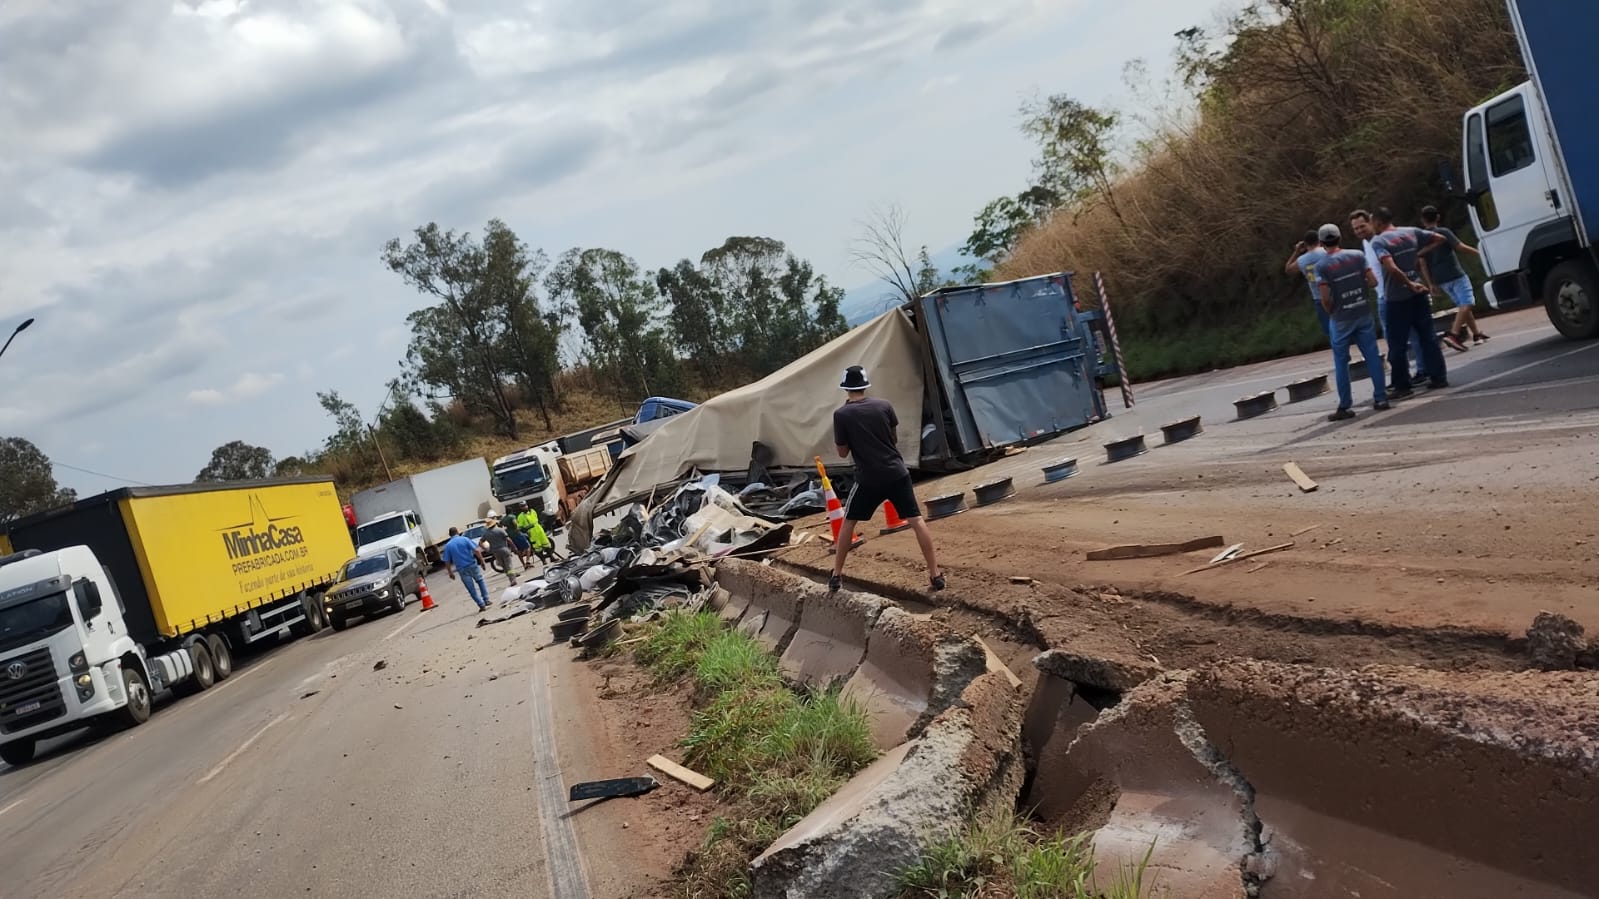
{"points": [[1573, 302], [138, 694]]}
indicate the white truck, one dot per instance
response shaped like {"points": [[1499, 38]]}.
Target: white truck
{"points": [[416, 512], [529, 476], [110, 601], [1532, 170]]}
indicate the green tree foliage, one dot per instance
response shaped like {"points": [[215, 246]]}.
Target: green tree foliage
{"points": [[412, 433], [697, 316], [620, 312], [237, 461], [488, 330], [778, 308], [27, 482]]}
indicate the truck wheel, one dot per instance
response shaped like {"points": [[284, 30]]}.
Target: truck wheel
{"points": [[205, 672], [221, 656], [338, 622], [18, 754], [137, 711], [1571, 297]]}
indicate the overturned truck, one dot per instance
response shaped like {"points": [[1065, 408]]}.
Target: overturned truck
{"points": [[988, 365]]}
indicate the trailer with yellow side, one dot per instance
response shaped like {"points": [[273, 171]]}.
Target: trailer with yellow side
{"points": [[109, 601]]}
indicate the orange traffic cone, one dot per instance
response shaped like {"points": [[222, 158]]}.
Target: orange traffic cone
{"points": [[892, 524], [427, 598], [835, 509]]}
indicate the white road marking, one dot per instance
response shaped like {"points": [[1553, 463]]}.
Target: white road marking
{"points": [[568, 879], [12, 806], [242, 747], [401, 629]]}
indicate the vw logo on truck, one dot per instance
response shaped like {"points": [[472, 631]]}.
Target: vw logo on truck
{"points": [[17, 670]]}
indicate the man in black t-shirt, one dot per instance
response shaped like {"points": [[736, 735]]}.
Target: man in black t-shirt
{"points": [[867, 427]]}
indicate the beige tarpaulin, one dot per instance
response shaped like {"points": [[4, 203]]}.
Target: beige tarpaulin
{"points": [[790, 410]]}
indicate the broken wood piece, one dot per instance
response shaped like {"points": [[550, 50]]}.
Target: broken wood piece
{"points": [[1299, 477], [631, 640], [1240, 557], [608, 789], [1150, 550], [1021, 579], [1254, 568], [1335, 541], [1303, 531], [1227, 553], [677, 772], [995, 663]]}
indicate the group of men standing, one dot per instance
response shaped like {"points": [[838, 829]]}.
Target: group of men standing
{"points": [[1406, 266], [524, 540]]}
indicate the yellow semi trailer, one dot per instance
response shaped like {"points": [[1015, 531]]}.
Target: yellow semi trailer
{"points": [[111, 600]]}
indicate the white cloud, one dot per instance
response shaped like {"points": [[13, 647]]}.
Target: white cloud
{"points": [[207, 396], [248, 386]]}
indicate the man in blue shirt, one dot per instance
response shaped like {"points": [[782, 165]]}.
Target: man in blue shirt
{"points": [[461, 554], [1342, 277], [1302, 261], [1409, 305]]}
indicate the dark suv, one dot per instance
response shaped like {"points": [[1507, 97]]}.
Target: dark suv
{"points": [[378, 582]]}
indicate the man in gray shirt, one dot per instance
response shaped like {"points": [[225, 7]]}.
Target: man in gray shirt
{"points": [[1441, 271], [868, 429]]}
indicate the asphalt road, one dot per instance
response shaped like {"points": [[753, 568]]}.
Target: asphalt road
{"points": [[306, 773]]}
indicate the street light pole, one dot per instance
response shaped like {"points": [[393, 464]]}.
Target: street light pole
{"points": [[18, 330]]}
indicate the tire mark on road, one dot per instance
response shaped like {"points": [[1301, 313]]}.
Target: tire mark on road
{"points": [[567, 877]]}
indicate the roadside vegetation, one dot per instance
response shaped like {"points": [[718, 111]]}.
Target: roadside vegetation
{"points": [[1005, 858], [1288, 114], [775, 753]]}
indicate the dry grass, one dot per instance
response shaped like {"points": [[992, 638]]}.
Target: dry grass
{"points": [[1320, 108]]}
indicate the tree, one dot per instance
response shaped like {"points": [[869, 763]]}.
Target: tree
{"points": [[777, 307], [1003, 222], [620, 312], [1075, 162], [881, 249], [488, 330], [412, 434], [237, 461], [290, 467], [349, 435], [696, 316], [27, 481]]}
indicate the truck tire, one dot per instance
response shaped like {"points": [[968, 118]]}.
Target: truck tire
{"points": [[221, 656], [137, 711], [19, 753], [1571, 297], [205, 672]]}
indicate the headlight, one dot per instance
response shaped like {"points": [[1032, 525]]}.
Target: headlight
{"points": [[84, 680], [78, 662], [383, 593]]}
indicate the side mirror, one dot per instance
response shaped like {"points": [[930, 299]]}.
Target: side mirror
{"points": [[89, 602]]}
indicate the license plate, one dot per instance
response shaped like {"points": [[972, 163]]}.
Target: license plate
{"points": [[27, 707]]}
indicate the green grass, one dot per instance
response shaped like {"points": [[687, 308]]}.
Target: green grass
{"points": [[1285, 332], [775, 753], [1007, 859]]}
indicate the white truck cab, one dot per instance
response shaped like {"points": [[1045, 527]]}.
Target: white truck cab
{"points": [[65, 651], [396, 529], [529, 476]]}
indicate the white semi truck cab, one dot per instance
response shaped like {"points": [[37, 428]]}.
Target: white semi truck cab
{"points": [[65, 652], [397, 529], [1532, 170], [529, 476]]}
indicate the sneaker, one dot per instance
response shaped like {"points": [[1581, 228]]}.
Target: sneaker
{"points": [[1404, 394], [1437, 385], [1480, 338], [834, 583], [1380, 407], [938, 583], [1454, 342], [1343, 414]]}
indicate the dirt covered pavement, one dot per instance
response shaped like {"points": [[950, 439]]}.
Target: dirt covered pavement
{"points": [[1435, 535]]}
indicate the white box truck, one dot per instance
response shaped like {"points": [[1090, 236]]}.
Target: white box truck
{"points": [[416, 512]]}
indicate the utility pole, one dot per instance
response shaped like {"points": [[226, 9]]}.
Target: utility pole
{"points": [[372, 429]]}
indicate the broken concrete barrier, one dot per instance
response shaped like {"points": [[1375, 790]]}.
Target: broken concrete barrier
{"points": [[1391, 782], [855, 844], [830, 640], [914, 668], [771, 601]]}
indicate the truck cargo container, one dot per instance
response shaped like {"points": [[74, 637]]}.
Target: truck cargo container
{"points": [[118, 597]]}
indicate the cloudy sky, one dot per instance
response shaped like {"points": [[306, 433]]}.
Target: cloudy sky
{"points": [[193, 194]]}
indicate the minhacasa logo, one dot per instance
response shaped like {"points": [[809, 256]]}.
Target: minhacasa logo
{"points": [[262, 533]]}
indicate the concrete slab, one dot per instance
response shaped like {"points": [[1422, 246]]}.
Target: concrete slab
{"points": [[895, 680], [830, 641]]}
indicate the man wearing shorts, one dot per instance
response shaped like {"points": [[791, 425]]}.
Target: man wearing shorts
{"points": [[867, 428], [1442, 273]]}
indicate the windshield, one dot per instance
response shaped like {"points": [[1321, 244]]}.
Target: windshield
{"points": [[363, 567], [530, 479], [380, 530], [475, 531], [34, 620]]}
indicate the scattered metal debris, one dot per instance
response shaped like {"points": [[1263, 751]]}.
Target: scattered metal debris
{"points": [[611, 789]]}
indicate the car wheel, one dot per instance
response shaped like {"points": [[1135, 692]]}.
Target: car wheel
{"points": [[399, 599], [338, 621]]}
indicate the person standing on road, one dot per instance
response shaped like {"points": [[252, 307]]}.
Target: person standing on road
{"points": [[528, 522], [1342, 276], [1302, 261], [1360, 223], [461, 554], [1409, 305], [867, 427], [500, 547], [1443, 274]]}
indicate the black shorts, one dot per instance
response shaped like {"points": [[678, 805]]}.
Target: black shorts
{"points": [[866, 496]]}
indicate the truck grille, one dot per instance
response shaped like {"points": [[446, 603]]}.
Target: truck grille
{"points": [[38, 684]]}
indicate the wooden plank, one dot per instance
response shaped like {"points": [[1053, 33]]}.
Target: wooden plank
{"points": [[1303, 531], [677, 772], [1299, 477], [1240, 557], [1254, 568], [1150, 550]]}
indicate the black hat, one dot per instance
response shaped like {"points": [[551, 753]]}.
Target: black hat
{"points": [[855, 379]]}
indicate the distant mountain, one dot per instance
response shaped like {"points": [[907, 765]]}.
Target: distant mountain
{"points": [[869, 300]]}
